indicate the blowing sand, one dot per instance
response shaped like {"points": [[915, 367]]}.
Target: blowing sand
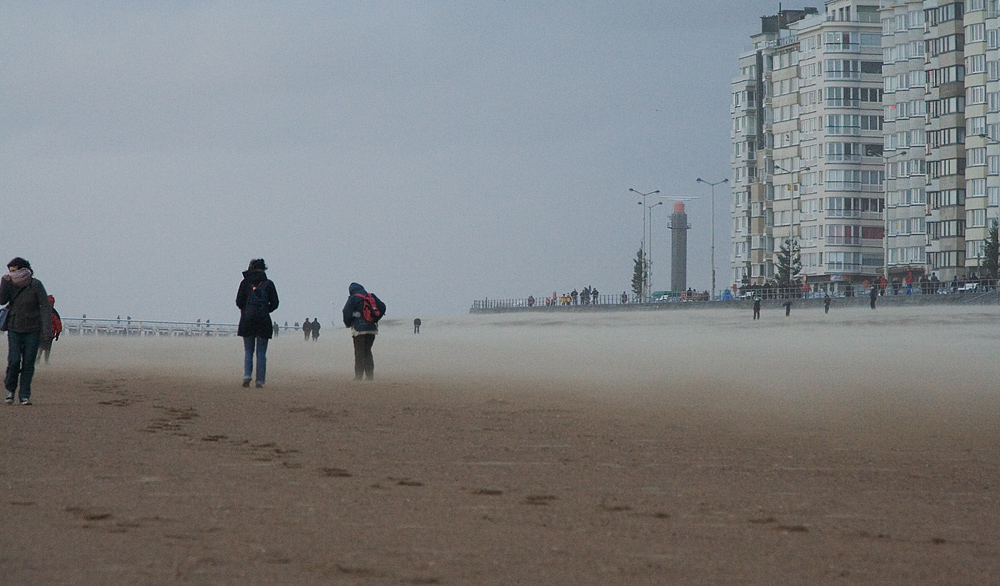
{"points": [[679, 447]]}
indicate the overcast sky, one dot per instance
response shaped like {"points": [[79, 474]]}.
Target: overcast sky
{"points": [[436, 152]]}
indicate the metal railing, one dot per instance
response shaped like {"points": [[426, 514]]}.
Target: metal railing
{"points": [[85, 326], [978, 290]]}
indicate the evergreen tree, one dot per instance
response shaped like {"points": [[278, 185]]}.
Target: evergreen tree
{"points": [[639, 274], [789, 263], [991, 264]]}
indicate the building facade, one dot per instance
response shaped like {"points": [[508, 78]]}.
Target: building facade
{"points": [[815, 175], [868, 134]]}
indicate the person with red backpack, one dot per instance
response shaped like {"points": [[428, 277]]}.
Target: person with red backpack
{"points": [[362, 312], [45, 347]]}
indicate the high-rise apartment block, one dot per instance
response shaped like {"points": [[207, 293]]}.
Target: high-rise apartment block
{"points": [[868, 134]]}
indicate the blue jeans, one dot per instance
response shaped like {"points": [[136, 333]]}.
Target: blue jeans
{"points": [[248, 352], [22, 348]]}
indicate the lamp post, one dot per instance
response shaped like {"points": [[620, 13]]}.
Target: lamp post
{"points": [[644, 292], [649, 256], [885, 219], [712, 188]]}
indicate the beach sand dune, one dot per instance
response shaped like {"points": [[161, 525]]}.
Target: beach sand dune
{"points": [[675, 447]]}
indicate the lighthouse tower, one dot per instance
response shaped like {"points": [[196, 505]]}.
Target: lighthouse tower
{"points": [[678, 248]]}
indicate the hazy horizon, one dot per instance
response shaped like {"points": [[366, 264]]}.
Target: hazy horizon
{"points": [[436, 152]]}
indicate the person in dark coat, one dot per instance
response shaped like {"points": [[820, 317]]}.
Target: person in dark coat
{"points": [[315, 329], [29, 323], [255, 322], [307, 328], [362, 331], [873, 295]]}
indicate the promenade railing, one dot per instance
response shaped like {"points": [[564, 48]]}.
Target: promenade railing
{"points": [[967, 289], [118, 327]]}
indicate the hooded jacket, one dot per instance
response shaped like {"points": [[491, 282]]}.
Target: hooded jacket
{"points": [[260, 327], [353, 317], [30, 311]]}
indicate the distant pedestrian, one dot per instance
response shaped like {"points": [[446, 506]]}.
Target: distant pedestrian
{"points": [[362, 312], [826, 303], [874, 295], [45, 348], [594, 295], [315, 329], [307, 329], [624, 297], [257, 298], [574, 297], [756, 308], [276, 328], [788, 307], [29, 323], [416, 326]]}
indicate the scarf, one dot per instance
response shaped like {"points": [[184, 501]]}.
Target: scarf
{"points": [[21, 277]]}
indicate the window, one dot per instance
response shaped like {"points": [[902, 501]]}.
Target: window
{"points": [[945, 44], [975, 33], [975, 64], [946, 106], [975, 218], [946, 13], [951, 74], [945, 136], [976, 94], [975, 126], [946, 229], [975, 158], [946, 167], [946, 198]]}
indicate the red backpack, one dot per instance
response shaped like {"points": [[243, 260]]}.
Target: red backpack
{"points": [[370, 310], [56, 324]]}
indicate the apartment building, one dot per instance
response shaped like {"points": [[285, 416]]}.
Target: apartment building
{"points": [[905, 108], [808, 146], [874, 160], [982, 90]]}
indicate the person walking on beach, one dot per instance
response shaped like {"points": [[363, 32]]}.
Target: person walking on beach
{"points": [[257, 298], [416, 326], [29, 323], [306, 329], [874, 295], [756, 308], [315, 329], [788, 307], [45, 348], [361, 314], [826, 303]]}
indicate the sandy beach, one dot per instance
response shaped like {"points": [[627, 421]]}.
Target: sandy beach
{"points": [[675, 447]]}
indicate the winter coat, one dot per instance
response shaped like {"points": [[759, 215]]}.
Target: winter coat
{"points": [[30, 311], [260, 327], [353, 317]]}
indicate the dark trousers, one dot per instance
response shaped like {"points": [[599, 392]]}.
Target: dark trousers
{"points": [[364, 362], [22, 347]]}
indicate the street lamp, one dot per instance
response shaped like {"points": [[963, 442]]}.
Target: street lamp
{"points": [[712, 187], [885, 218], [649, 256], [644, 290]]}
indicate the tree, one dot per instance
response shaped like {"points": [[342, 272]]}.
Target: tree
{"points": [[639, 274], [991, 252], [789, 263]]}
